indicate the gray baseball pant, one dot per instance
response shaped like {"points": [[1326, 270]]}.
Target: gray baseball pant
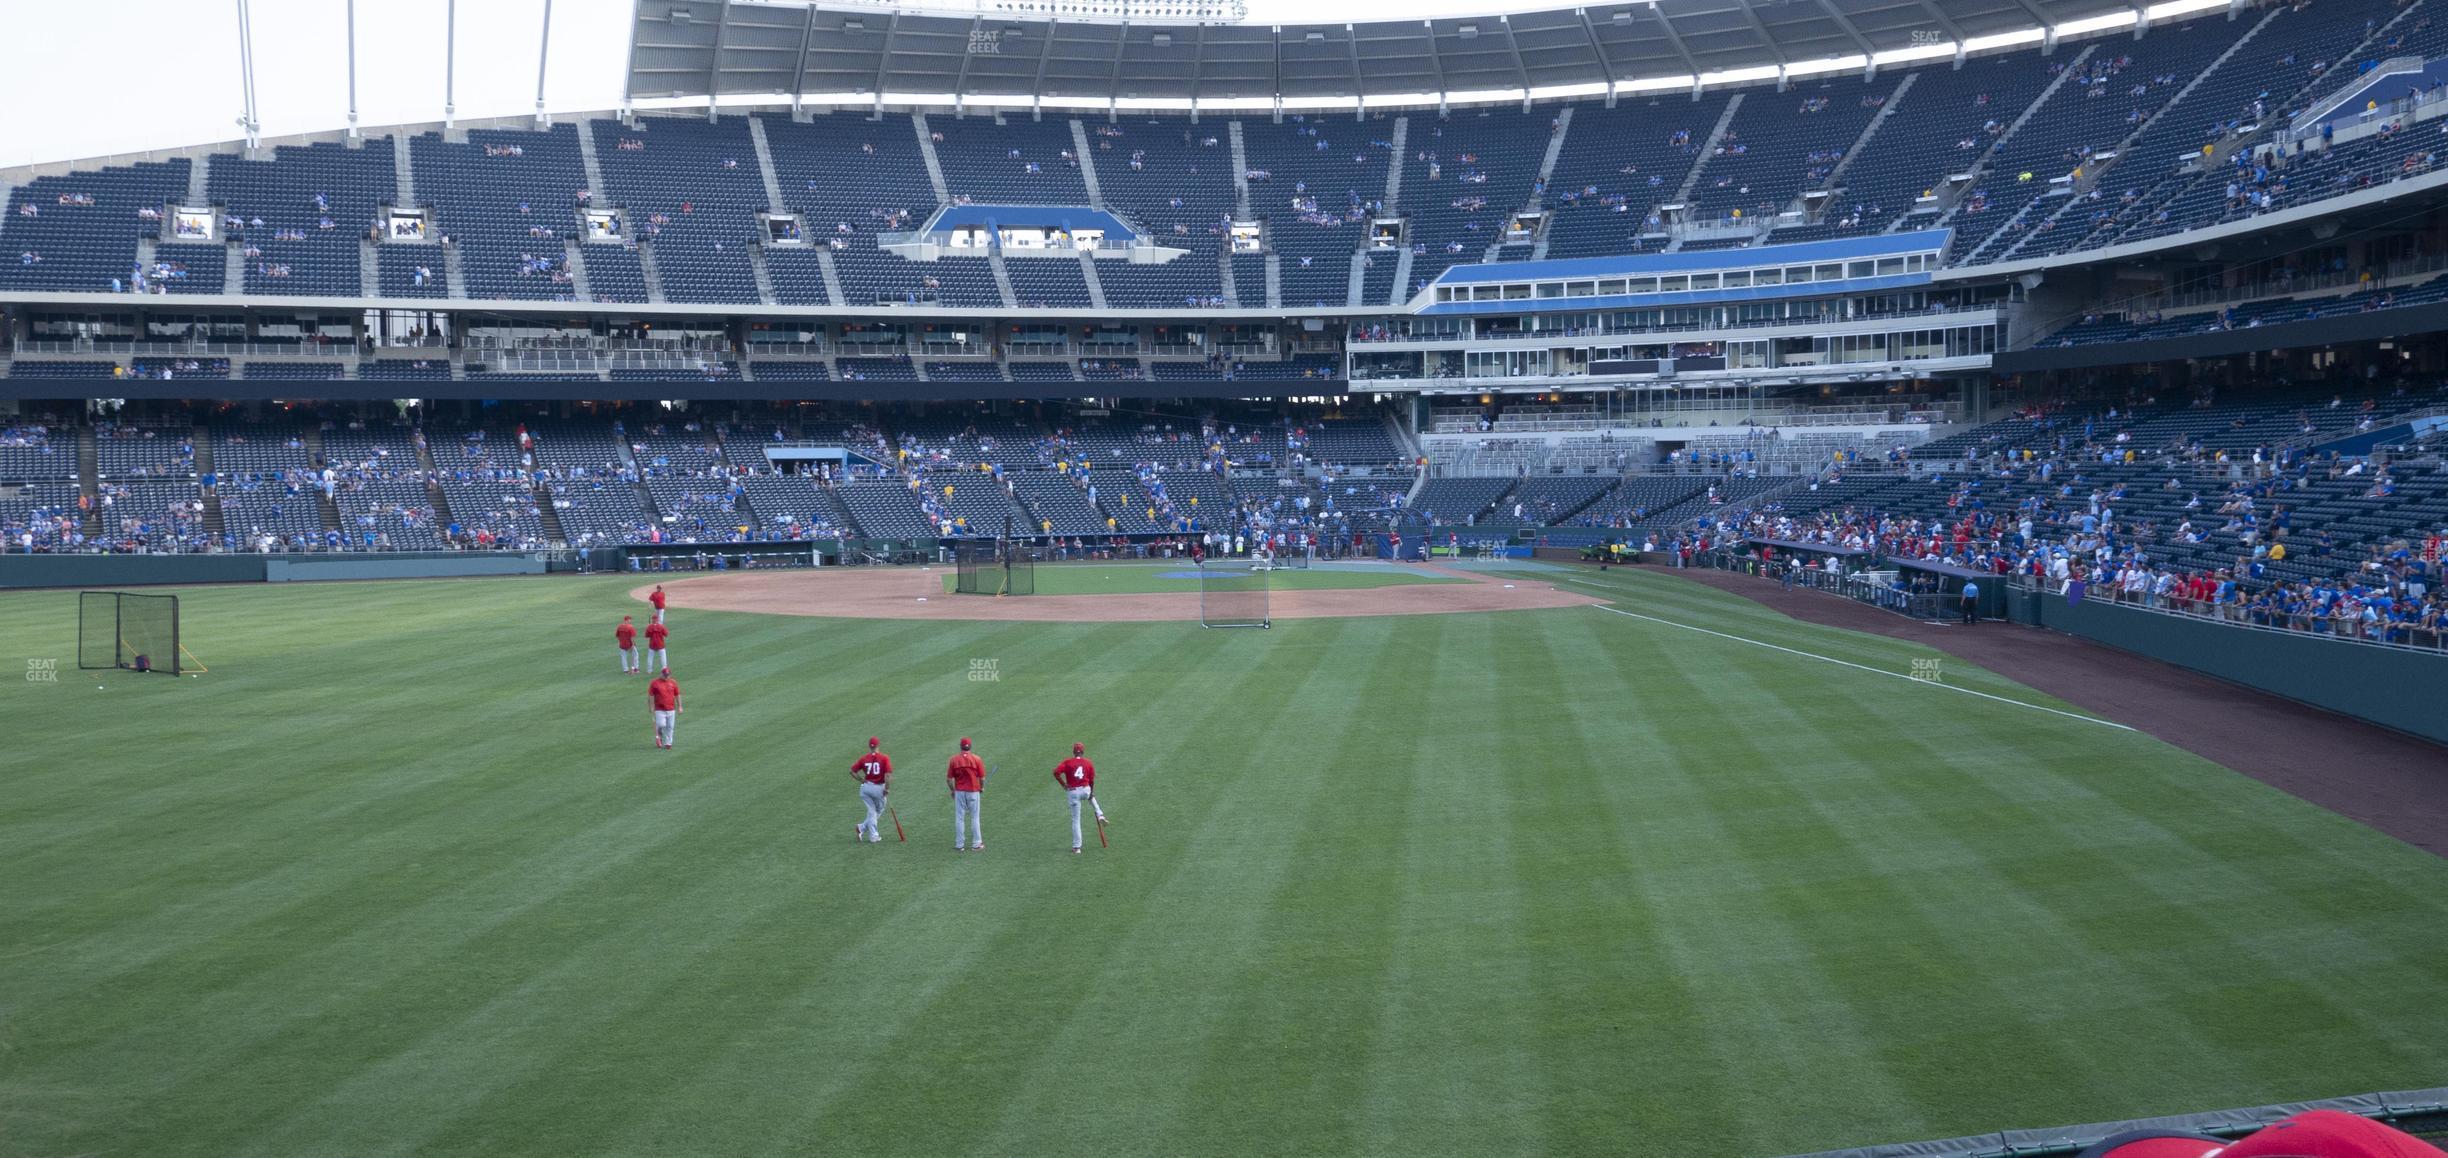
{"points": [[965, 811], [872, 795]]}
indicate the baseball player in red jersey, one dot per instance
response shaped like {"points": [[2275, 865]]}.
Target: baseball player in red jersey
{"points": [[663, 697], [1077, 778], [657, 600], [874, 772], [967, 776], [626, 636], [656, 633]]}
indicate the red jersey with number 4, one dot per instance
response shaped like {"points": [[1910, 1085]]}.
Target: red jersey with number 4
{"points": [[626, 634], [874, 767], [1075, 772], [656, 633], [663, 694], [967, 773]]}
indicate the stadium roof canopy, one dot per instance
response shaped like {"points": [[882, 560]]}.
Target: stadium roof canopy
{"points": [[1174, 53]]}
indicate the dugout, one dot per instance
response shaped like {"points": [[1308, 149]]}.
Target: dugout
{"points": [[1947, 580], [1782, 551]]}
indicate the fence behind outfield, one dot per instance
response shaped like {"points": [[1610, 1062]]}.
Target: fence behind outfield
{"points": [[2390, 685]]}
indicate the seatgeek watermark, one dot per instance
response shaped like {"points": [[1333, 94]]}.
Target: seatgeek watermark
{"points": [[1927, 671], [985, 671], [42, 671]]}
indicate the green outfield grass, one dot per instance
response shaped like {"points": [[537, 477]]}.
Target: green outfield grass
{"points": [[403, 874], [1090, 578]]}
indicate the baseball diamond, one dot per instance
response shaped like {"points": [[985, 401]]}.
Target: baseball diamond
{"points": [[1849, 579]]}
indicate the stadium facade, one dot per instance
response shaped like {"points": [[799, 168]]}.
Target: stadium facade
{"points": [[1824, 195]]}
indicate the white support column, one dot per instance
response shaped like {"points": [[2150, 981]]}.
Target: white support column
{"points": [[247, 119], [543, 58], [450, 64], [352, 69]]}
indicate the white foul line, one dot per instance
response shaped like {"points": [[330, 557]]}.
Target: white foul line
{"points": [[1860, 667]]}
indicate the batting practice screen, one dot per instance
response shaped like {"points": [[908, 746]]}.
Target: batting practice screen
{"points": [[118, 630], [993, 567], [1232, 594]]}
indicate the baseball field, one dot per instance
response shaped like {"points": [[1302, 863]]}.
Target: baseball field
{"points": [[403, 873]]}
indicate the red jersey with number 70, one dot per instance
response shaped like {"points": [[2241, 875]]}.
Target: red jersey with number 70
{"points": [[663, 693], [1075, 772], [874, 767]]}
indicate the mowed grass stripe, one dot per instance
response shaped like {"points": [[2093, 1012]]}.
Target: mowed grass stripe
{"points": [[1625, 1020], [1973, 771], [847, 1100], [378, 989], [1460, 935], [1759, 984], [787, 784], [232, 847], [1925, 975], [1040, 942], [1181, 906], [1310, 991]]}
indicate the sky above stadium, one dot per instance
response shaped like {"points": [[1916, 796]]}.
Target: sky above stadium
{"points": [[73, 74], [66, 66]]}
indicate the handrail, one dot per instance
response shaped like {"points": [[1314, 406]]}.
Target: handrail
{"points": [[1357, 335]]}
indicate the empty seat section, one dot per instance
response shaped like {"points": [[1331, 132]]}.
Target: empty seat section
{"points": [[305, 213]]}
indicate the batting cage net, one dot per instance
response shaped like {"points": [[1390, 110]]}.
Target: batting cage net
{"points": [[993, 567], [1232, 594], [116, 629]]}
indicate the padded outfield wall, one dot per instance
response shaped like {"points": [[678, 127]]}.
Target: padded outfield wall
{"points": [[153, 570], [2394, 687]]}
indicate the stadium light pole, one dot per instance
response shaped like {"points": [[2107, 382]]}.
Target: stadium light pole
{"points": [[247, 120], [450, 63], [543, 58], [352, 68]]}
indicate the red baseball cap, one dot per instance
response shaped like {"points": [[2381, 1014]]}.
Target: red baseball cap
{"points": [[1078, 749], [964, 743], [873, 742]]}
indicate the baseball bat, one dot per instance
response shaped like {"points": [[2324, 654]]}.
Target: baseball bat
{"points": [[1100, 811], [896, 815]]}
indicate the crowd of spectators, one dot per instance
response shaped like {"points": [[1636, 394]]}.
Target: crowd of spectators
{"points": [[2054, 527]]}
